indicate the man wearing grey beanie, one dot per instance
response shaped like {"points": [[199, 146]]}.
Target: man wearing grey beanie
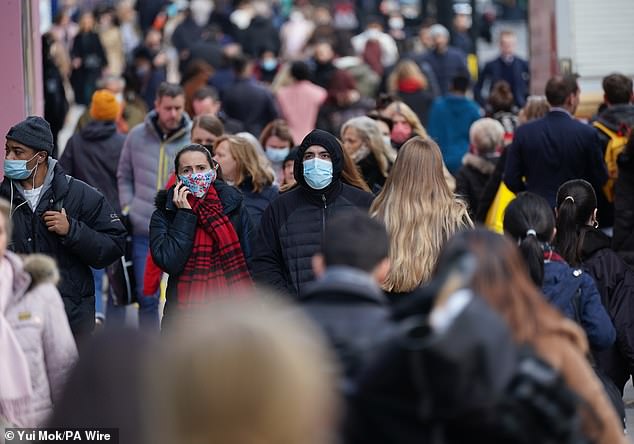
{"points": [[59, 216]]}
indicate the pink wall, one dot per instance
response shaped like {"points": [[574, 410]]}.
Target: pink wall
{"points": [[543, 43], [12, 76]]}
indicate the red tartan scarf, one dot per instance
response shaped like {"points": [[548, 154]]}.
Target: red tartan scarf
{"points": [[216, 264]]}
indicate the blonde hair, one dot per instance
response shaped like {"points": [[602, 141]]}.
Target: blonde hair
{"points": [[420, 213], [370, 136], [248, 162], [410, 116], [237, 373], [406, 69], [535, 108]]}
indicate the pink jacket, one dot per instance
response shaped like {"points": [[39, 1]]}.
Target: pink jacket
{"points": [[39, 322], [299, 104]]}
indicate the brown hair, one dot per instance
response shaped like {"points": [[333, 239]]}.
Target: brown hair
{"points": [[209, 123], [248, 162], [501, 97], [277, 128], [535, 108], [351, 174]]}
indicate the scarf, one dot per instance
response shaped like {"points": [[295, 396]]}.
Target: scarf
{"points": [[15, 378], [551, 256], [216, 263], [360, 154], [410, 85]]}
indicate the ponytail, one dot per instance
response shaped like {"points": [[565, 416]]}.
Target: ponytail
{"points": [[533, 253], [576, 203], [530, 221]]}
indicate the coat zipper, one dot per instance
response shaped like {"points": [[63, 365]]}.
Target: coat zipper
{"points": [[323, 219]]}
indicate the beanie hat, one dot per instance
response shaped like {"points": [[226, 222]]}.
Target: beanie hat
{"points": [[33, 132], [104, 105]]}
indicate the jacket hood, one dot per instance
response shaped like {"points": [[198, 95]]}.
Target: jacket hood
{"points": [[98, 130], [616, 116], [42, 269], [593, 241], [230, 197], [342, 280], [332, 145], [481, 164]]}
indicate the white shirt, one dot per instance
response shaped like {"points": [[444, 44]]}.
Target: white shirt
{"points": [[33, 196]]}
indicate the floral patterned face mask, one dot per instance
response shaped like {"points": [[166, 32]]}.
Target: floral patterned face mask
{"points": [[199, 183]]}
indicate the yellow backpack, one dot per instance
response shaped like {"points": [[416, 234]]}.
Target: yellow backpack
{"points": [[617, 143]]}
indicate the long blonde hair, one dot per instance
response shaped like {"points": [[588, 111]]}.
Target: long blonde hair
{"points": [[410, 116], [370, 136], [248, 162], [420, 213]]}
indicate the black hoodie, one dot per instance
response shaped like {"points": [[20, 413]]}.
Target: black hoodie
{"points": [[293, 226], [92, 156]]}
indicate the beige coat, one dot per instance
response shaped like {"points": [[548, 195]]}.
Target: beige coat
{"points": [[39, 322]]}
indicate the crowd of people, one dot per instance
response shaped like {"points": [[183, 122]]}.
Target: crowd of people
{"points": [[321, 202]]}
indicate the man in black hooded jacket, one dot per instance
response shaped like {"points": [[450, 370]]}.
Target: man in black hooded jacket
{"points": [[294, 226]]}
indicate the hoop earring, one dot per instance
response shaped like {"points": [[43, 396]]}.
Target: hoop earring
{"points": [[595, 224]]}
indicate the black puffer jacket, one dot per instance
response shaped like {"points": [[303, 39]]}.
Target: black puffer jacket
{"points": [[92, 155], [371, 173], [615, 282], [172, 231], [623, 241], [472, 178], [353, 314], [96, 238], [293, 227]]}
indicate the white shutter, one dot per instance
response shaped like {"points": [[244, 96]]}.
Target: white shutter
{"points": [[603, 37]]}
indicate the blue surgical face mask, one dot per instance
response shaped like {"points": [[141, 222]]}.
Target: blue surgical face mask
{"points": [[277, 155], [318, 173], [17, 170], [269, 64]]}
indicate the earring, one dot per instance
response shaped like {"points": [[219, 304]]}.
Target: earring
{"points": [[595, 224]]}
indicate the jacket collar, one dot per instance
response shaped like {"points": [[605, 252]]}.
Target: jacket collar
{"points": [[478, 163], [338, 280], [151, 122], [593, 241], [55, 180]]}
